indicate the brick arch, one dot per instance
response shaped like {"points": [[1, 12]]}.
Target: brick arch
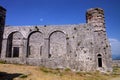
{"points": [[33, 33], [54, 30], [57, 44], [11, 32], [35, 43], [14, 44]]}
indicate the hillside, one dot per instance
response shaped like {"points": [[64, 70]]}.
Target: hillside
{"points": [[24, 72]]}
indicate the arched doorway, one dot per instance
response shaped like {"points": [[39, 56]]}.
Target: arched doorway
{"points": [[99, 57], [35, 45], [14, 44]]}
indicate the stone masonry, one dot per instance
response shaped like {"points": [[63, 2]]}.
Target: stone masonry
{"points": [[80, 47]]}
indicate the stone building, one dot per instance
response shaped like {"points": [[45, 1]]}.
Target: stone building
{"points": [[80, 47]]}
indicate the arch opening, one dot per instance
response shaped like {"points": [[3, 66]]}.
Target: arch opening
{"points": [[99, 56], [57, 44], [35, 45], [14, 44]]}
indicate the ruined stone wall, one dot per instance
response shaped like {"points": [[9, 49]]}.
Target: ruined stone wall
{"points": [[82, 47]]}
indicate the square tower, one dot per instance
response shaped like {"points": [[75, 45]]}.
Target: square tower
{"points": [[2, 24]]}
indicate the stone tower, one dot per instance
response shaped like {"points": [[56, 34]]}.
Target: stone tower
{"points": [[95, 17], [2, 24]]}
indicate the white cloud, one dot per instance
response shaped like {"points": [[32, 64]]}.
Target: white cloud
{"points": [[115, 45]]}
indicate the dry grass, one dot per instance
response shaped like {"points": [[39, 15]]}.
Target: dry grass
{"points": [[24, 72]]}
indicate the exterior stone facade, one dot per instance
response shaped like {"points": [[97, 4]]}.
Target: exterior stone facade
{"points": [[82, 47]]}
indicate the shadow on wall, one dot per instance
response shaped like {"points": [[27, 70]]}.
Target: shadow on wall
{"points": [[7, 76]]}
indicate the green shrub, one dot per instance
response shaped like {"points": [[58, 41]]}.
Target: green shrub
{"points": [[23, 76], [67, 69], [43, 69], [2, 62]]}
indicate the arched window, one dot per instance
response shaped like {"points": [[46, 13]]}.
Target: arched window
{"points": [[99, 56]]}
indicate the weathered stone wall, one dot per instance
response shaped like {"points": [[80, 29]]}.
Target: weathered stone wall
{"points": [[83, 47], [2, 23]]}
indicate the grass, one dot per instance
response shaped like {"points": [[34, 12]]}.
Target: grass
{"points": [[51, 71], [67, 74], [43, 73], [116, 71], [93, 75]]}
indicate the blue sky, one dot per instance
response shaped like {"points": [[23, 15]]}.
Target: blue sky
{"points": [[46, 12]]}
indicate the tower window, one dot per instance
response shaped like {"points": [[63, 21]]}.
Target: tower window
{"points": [[99, 60]]}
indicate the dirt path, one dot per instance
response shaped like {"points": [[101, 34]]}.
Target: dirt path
{"points": [[14, 71], [118, 78]]}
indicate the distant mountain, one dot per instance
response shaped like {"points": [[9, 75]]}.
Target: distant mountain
{"points": [[116, 57]]}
